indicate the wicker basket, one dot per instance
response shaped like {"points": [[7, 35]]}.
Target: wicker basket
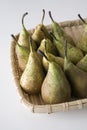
{"points": [[35, 102]]}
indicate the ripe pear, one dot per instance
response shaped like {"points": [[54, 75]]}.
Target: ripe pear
{"points": [[24, 34], [51, 57], [22, 54], [38, 35], [55, 87], [74, 54], [82, 64], [50, 47], [77, 78], [82, 44], [33, 75], [59, 32]]}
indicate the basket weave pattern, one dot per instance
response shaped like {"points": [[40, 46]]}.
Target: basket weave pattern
{"points": [[35, 102]]}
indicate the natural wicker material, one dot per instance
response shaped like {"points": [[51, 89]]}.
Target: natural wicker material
{"points": [[35, 102]]}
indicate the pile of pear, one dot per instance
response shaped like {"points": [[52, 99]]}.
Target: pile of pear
{"points": [[51, 63]]}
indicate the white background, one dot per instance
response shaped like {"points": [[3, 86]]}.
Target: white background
{"points": [[13, 115]]}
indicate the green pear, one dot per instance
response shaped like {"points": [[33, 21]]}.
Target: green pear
{"points": [[55, 87], [33, 75], [59, 32], [51, 57], [22, 54], [50, 47], [38, 35], [82, 64], [82, 44], [74, 53], [24, 34], [77, 78]]}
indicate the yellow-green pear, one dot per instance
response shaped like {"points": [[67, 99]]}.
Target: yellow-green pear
{"points": [[50, 47], [59, 32], [22, 54], [51, 57], [74, 54], [33, 75], [77, 78], [82, 44], [55, 88], [24, 34], [38, 35], [82, 64]]}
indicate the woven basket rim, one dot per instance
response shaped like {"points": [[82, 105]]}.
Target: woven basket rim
{"points": [[76, 104]]}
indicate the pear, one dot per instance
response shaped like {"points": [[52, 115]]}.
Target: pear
{"points": [[74, 53], [59, 32], [24, 34], [77, 78], [33, 75], [51, 57], [22, 54], [82, 64], [38, 35], [49, 53], [82, 44], [50, 47], [55, 87]]}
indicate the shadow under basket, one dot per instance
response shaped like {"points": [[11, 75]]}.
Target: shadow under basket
{"points": [[34, 102]]}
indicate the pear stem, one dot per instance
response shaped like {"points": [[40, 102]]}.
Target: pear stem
{"points": [[65, 48], [42, 53], [15, 40], [43, 17], [51, 16], [23, 18], [14, 37], [52, 35], [82, 19]]}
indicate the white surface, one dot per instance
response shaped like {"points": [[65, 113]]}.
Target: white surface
{"points": [[13, 115]]}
